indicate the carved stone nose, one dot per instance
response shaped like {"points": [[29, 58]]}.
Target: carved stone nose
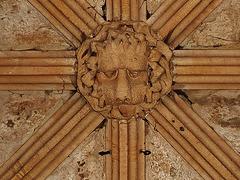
{"points": [[122, 89]]}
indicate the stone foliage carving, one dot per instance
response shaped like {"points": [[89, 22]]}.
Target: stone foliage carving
{"points": [[124, 70]]}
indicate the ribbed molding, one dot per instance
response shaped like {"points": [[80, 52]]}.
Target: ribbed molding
{"points": [[206, 69], [126, 10], [37, 70], [73, 19], [125, 139], [198, 143], [180, 18], [53, 142]]}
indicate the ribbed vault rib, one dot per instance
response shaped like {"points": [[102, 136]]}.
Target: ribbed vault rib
{"points": [[210, 156], [191, 22], [179, 18], [174, 20], [126, 10], [73, 19], [37, 70], [59, 21], [206, 69], [91, 11], [53, 142], [125, 139]]}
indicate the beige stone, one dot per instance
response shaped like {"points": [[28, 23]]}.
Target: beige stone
{"points": [[103, 62], [127, 73]]}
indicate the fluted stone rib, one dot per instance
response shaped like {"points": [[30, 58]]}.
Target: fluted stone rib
{"points": [[37, 70], [125, 139], [204, 138], [32, 145], [192, 25], [206, 69]]}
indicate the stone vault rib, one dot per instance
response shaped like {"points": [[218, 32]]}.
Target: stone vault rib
{"points": [[37, 70], [180, 18], [91, 11], [61, 134], [182, 146], [210, 156], [73, 19], [59, 21], [125, 141], [126, 10], [30, 142], [206, 69], [190, 22]]}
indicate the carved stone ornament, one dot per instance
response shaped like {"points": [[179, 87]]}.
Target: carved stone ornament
{"points": [[124, 70]]}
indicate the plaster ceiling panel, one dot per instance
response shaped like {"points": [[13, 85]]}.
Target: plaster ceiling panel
{"points": [[220, 30], [85, 162], [220, 109], [22, 27], [164, 161], [22, 113]]}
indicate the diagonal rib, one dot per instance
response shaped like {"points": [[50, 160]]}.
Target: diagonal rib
{"points": [[81, 13], [188, 25], [52, 143], [194, 139], [205, 139], [183, 147], [7, 168], [172, 9], [178, 17], [206, 69], [91, 11], [37, 70], [72, 17], [208, 130], [66, 146], [188, 20], [59, 21]]}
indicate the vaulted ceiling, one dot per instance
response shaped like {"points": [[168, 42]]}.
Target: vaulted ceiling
{"points": [[40, 54]]}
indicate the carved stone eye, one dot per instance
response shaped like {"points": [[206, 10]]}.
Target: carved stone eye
{"points": [[110, 74], [133, 74]]}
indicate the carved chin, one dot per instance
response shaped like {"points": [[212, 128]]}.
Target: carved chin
{"points": [[127, 110], [123, 112]]}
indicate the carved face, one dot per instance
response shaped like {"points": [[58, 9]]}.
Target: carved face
{"points": [[120, 72]]}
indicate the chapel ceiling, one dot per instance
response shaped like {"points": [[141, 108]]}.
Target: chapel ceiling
{"points": [[46, 37]]}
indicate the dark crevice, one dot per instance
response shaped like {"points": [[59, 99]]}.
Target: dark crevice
{"points": [[182, 93], [104, 9], [148, 15], [178, 47]]}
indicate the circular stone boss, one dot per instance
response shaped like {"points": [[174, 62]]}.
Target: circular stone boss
{"points": [[124, 70]]}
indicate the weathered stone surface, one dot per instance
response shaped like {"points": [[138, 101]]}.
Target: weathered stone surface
{"points": [[152, 5], [123, 71], [220, 29], [164, 162], [98, 5], [84, 163], [22, 113], [23, 27], [220, 109]]}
